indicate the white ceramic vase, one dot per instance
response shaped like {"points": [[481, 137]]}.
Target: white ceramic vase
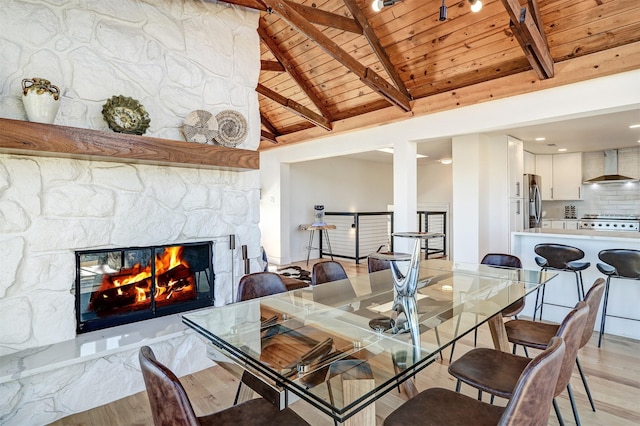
{"points": [[41, 99]]}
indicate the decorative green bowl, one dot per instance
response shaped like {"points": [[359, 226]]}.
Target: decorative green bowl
{"points": [[125, 115]]}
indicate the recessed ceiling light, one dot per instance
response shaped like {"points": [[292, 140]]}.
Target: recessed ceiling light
{"points": [[390, 151], [446, 161], [634, 126], [541, 139], [562, 149]]}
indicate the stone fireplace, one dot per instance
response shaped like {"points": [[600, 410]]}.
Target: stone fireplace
{"points": [[174, 57]]}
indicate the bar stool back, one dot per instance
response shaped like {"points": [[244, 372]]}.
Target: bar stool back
{"points": [[620, 263], [560, 257]]}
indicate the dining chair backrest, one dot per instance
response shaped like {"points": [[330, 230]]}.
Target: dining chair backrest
{"points": [[592, 299], [558, 255], [260, 284], [375, 265], [501, 259], [534, 392], [625, 261], [571, 330], [324, 272], [168, 399]]}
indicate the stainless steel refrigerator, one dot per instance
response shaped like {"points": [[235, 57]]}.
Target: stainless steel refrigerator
{"points": [[533, 198]]}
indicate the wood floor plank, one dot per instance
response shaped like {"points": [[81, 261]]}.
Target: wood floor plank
{"points": [[613, 374]]}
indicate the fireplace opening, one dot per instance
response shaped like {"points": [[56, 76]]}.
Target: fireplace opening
{"points": [[123, 285]]}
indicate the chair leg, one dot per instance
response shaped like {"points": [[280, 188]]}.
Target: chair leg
{"points": [[604, 310], [586, 386], [458, 383], [514, 349], [557, 410], [479, 395], [541, 304], [526, 352], [491, 400], [581, 284], [573, 405]]}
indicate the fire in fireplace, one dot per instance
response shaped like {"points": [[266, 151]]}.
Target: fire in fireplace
{"points": [[118, 286]]}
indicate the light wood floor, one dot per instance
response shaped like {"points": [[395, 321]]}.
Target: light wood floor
{"points": [[613, 373]]}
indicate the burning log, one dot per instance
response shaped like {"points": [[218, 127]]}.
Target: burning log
{"points": [[177, 283]]}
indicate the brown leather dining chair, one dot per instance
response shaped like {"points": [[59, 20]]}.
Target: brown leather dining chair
{"points": [[260, 284], [533, 334], [530, 402], [497, 372], [170, 405], [329, 270]]}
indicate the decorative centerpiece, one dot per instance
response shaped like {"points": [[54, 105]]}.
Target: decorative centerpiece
{"points": [[41, 99], [200, 126], [125, 115], [232, 128]]}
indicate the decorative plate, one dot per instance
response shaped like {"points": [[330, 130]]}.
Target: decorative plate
{"points": [[232, 128], [200, 126], [125, 115]]}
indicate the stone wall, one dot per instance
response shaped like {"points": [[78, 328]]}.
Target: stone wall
{"points": [[174, 56]]}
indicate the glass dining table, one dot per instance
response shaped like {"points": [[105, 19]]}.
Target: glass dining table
{"points": [[342, 345]]}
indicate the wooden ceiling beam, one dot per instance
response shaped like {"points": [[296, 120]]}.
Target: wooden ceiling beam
{"points": [[271, 66], [268, 136], [530, 37], [366, 75], [328, 19], [267, 124], [291, 70], [295, 107], [374, 42]]}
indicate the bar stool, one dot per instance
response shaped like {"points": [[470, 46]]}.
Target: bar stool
{"points": [[620, 263], [560, 257]]}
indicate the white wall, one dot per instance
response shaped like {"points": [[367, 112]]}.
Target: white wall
{"points": [[341, 185], [435, 183]]}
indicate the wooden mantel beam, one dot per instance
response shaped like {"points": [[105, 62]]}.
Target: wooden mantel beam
{"points": [[366, 75], [295, 107], [530, 37]]}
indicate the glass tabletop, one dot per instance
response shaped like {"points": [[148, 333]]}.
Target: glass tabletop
{"points": [[341, 345]]}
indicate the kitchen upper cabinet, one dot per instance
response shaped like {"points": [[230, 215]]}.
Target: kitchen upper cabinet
{"points": [[515, 166], [529, 163], [567, 176], [561, 176], [544, 169]]}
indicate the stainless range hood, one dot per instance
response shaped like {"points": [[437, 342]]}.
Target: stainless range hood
{"points": [[611, 170]]}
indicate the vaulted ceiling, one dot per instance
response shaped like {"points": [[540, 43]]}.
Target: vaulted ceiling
{"points": [[328, 61]]}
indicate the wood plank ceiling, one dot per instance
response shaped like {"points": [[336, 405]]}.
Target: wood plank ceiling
{"points": [[330, 60]]}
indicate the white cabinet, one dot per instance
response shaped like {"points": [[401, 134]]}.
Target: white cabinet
{"points": [[529, 163], [515, 166], [544, 169], [561, 176], [560, 224], [516, 212], [567, 176]]}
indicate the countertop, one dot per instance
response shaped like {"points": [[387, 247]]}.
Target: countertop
{"points": [[582, 234]]}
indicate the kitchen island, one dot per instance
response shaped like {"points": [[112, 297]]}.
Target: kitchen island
{"points": [[561, 294]]}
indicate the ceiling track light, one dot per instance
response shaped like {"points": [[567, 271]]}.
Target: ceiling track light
{"points": [[476, 5], [377, 5], [443, 12]]}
